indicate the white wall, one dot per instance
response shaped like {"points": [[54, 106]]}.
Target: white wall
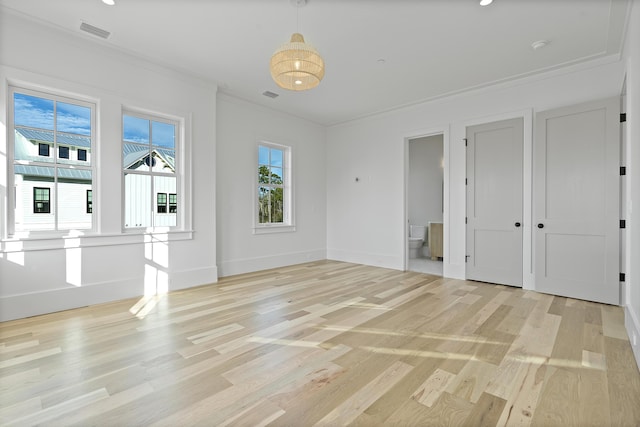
{"points": [[632, 60], [72, 272], [240, 126], [425, 179], [365, 219]]}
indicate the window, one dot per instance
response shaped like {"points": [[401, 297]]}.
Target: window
{"points": [[273, 186], [149, 146], [82, 155], [89, 201], [41, 200], [43, 150], [40, 122], [173, 203], [162, 203]]}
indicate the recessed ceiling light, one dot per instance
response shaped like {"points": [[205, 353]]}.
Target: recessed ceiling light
{"points": [[485, 2], [109, 2], [381, 61], [539, 44]]}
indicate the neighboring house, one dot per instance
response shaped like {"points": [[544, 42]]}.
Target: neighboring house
{"points": [[38, 156], [35, 180], [138, 187]]}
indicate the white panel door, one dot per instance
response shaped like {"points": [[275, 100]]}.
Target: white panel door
{"points": [[494, 202], [576, 201]]}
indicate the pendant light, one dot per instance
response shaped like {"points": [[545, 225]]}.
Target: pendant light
{"points": [[297, 65]]}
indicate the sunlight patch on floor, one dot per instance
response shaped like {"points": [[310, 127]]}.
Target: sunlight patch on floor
{"points": [[443, 337], [145, 305]]}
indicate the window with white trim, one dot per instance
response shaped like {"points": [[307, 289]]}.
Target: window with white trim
{"points": [[89, 201], [43, 149], [41, 200], [82, 155], [273, 195], [173, 203], [162, 202], [49, 191], [63, 152], [150, 169]]}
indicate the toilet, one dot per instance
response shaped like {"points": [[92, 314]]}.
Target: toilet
{"points": [[416, 239]]}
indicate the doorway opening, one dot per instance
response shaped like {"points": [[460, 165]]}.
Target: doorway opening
{"points": [[425, 204]]}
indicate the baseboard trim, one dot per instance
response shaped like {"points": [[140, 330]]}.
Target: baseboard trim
{"points": [[185, 279], [249, 265], [632, 324], [453, 271], [19, 306], [374, 260]]}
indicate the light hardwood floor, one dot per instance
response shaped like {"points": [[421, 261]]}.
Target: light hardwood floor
{"points": [[324, 343]]}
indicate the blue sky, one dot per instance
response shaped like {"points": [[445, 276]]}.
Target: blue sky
{"points": [[38, 113], [136, 129], [274, 160]]}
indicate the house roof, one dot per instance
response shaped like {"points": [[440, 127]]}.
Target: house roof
{"points": [[47, 136], [133, 153], [42, 171]]}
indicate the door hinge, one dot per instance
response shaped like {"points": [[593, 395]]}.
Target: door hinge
{"points": [[623, 223], [622, 277], [623, 170], [466, 181], [465, 219], [465, 141], [623, 117], [466, 258]]}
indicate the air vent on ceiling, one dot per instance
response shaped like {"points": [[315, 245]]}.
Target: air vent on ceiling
{"points": [[270, 94], [88, 28]]}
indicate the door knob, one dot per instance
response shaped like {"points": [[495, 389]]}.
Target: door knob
{"points": [[541, 225], [517, 224]]}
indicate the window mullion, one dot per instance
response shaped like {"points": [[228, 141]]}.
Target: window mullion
{"points": [[269, 193], [154, 201], [56, 211]]}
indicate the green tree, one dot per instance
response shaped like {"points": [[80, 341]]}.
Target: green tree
{"points": [[270, 199]]}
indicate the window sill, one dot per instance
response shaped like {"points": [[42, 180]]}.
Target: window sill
{"points": [[72, 241], [272, 228]]}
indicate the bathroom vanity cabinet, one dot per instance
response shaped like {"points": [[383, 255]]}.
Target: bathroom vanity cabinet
{"points": [[435, 240]]}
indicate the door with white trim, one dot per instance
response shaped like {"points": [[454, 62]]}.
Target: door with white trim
{"points": [[576, 158], [494, 202]]}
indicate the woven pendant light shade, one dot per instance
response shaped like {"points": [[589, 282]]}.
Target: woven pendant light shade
{"points": [[297, 65]]}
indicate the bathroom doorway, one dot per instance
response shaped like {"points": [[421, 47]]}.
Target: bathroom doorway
{"points": [[425, 204]]}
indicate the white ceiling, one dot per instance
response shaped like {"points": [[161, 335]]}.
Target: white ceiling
{"points": [[430, 48]]}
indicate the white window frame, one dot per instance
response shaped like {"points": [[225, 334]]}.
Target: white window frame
{"points": [[182, 197], [102, 126], [11, 205], [288, 224]]}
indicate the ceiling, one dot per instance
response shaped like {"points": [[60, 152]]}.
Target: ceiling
{"points": [[379, 54]]}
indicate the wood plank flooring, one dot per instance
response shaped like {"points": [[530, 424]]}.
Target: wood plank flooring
{"points": [[324, 344]]}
